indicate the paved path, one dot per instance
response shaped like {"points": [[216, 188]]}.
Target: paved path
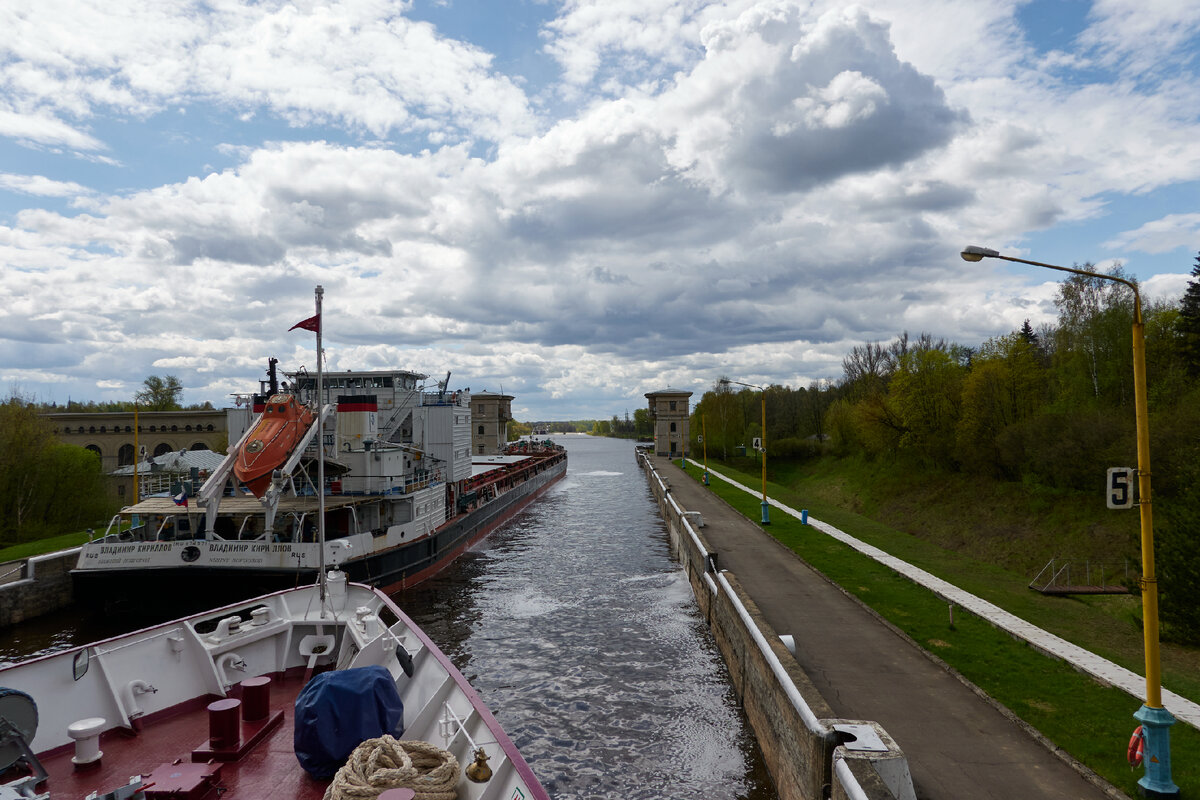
{"points": [[958, 745], [1183, 709]]}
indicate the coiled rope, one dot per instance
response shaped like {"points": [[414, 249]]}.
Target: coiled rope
{"points": [[385, 763]]}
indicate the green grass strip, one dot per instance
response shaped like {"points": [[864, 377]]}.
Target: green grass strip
{"points": [[42, 546], [1089, 720]]}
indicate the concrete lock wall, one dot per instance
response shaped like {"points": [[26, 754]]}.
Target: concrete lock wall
{"points": [[801, 754], [41, 585]]}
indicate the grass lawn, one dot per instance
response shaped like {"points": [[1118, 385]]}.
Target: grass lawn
{"points": [[1091, 721], [41, 546]]}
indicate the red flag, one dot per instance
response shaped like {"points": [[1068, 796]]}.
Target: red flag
{"points": [[311, 324]]}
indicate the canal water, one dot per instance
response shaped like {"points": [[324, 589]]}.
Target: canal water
{"points": [[580, 631]]}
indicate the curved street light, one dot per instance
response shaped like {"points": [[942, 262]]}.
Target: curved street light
{"points": [[1156, 720], [766, 517]]}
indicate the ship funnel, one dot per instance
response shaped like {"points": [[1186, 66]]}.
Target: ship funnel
{"points": [[358, 421]]}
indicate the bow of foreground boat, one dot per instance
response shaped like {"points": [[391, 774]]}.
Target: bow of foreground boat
{"points": [[207, 706]]}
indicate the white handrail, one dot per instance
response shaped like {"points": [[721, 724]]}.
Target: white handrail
{"points": [[849, 782], [789, 687]]}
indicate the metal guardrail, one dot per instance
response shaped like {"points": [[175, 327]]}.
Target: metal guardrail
{"points": [[789, 686], [1065, 575], [781, 675], [849, 783], [19, 569]]}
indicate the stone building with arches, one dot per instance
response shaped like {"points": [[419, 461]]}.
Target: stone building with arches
{"points": [[111, 434]]}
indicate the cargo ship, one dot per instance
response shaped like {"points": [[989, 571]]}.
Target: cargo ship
{"points": [[386, 464]]}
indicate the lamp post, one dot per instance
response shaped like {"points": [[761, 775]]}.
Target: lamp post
{"points": [[137, 454], [1155, 719], [766, 517]]}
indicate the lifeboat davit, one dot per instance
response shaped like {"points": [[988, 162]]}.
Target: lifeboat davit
{"points": [[283, 422]]}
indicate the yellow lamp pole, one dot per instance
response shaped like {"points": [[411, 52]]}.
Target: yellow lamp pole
{"points": [[1155, 719], [762, 442], [766, 516], [136, 455]]}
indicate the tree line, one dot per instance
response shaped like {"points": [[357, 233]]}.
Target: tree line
{"points": [[158, 393], [1052, 406], [49, 488]]}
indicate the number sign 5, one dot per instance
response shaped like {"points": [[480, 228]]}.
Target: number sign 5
{"points": [[1120, 489]]}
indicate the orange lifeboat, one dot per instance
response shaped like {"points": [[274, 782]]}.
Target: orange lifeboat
{"points": [[283, 422]]}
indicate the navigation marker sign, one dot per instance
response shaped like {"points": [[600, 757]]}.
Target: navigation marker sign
{"points": [[1120, 487]]}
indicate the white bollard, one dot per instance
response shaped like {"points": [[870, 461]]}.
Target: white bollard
{"points": [[86, 733]]}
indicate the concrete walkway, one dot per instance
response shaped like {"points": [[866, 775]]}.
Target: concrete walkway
{"points": [[1183, 709], [958, 744]]}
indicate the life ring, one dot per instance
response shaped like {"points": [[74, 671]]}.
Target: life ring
{"points": [[1137, 747]]}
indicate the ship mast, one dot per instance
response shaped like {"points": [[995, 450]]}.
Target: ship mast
{"points": [[322, 580]]}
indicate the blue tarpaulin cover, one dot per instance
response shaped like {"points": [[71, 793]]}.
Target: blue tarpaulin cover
{"points": [[336, 711]]}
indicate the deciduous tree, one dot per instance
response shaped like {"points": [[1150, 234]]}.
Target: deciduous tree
{"points": [[160, 393], [1006, 384], [927, 390], [46, 487], [1094, 351]]}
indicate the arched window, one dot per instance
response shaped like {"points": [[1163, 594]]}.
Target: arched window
{"points": [[125, 455], [187, 428], [174, 428], [129, 429], [210, 427], [161, 449], [152, 428], [103, 429], [95, 450], [198, 446], [80, 429], [672, 427], [92, 429], [481, 430]]}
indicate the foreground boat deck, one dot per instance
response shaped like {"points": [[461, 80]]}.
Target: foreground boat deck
{"points": [[162, 753]]}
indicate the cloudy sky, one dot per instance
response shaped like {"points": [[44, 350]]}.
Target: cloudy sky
{"points": [[575, 201]]}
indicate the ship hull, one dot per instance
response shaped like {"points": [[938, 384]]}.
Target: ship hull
{"points": [[185, 587]]}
